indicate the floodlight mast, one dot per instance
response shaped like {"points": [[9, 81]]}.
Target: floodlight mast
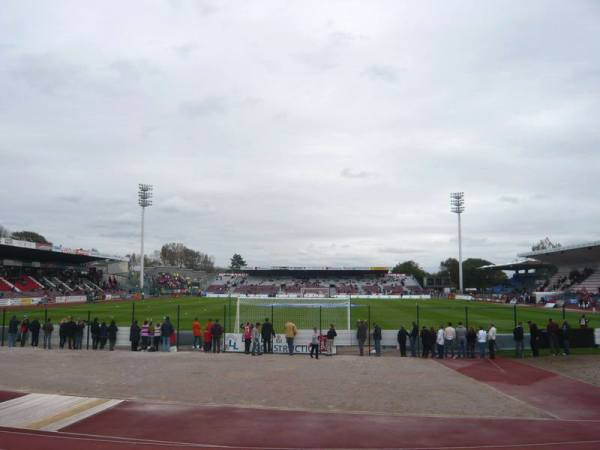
{"points": [[457, 206], [144, 200]]}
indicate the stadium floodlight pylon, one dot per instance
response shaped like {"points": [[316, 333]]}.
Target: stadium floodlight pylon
{"points": [[457, 206], [306, 313], [144, 200]]}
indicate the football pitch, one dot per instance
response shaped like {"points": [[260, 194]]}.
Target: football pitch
{"points": [[389, 314]]}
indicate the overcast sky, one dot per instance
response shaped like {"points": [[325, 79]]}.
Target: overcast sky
{"points": [[302, 133]]}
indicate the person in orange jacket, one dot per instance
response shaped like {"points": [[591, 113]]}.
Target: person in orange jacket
{"points": [[208, 336], [197, 331]]}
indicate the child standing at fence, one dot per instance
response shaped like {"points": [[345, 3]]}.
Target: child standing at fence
{"points": [[256, 340], [247, 336], [314, 344]]}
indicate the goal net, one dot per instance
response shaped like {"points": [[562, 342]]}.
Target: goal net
{"points": [[315, 292], [306, 313]]}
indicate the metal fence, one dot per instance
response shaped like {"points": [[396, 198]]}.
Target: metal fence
{"points": [[182, 316]]}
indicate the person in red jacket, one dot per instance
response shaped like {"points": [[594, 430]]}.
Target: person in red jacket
{"points": [[247, 337], [208, 336], [553, 335], [197, 331], [24, 330]]}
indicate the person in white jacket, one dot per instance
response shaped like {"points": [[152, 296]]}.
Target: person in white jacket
{"points": [[440, 342], [481, 341], [492, 341]]}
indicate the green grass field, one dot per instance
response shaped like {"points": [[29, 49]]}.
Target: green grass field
{"points": [[389, 314]]}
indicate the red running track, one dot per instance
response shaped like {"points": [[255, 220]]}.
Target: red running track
{"points": [[133, 424], [7, 395], [562, 397]]}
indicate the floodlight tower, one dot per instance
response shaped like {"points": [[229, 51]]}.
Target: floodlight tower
{"points": [[144, 200], [457, 206]]}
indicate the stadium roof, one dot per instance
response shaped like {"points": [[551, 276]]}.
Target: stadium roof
{"points": [[572, 254], [13, 249], [526, 264]]}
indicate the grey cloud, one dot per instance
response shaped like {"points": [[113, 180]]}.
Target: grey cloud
{"points": [[400, 251], [382, 72], [270, 131], [360, 174], [46, 73], [70, 198], [128, 234], [133, 70], [203, 107], [509, 199], [187, 49]]}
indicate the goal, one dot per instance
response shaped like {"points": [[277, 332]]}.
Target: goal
{"points": [[315, 292], [306, 313]]}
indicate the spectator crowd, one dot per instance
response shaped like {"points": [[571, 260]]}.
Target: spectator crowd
{"points": [[445, 341]]}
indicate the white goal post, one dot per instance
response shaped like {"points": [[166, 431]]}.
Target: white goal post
{"points": [[305, 312]]}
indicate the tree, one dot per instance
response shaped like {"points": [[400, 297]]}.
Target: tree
{"points": [[544, 244], [449, 269], [172, 254], [237, 262], [4, 233], [411, 268], [473, 277], [177, 254], [29, 236]]}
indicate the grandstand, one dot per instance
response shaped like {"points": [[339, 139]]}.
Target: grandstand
{"points": [[284, 281], [174, 280], [577, 268], [564, 274], [32, 273]]}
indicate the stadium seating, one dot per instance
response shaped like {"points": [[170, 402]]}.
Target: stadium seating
{"points": [[27, 284], [5, 286], [255, 289], [250, 285], [217, 289]]}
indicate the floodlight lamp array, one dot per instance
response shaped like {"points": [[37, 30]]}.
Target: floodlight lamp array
{"points": [[145, 195], [457, 202]]}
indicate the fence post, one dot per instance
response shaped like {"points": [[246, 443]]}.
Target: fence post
{"points": [[515, 315], [229, 314], [3, 324], [224, 327], [272, 318], [45, 314], [418, 332], [467, 316], [177, 338], [132, 311], [320, 319], [369, 329], [87, 345], [563, 312], [225, 315]]}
